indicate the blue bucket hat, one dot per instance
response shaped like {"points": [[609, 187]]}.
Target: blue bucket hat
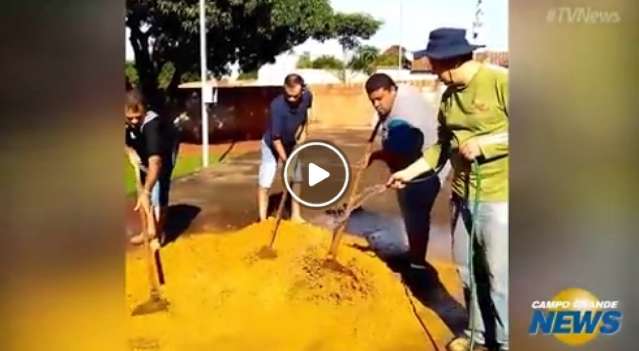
{"points": [[445, 43]]}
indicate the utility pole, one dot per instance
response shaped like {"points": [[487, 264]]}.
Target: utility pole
{"points": [[399, 49], [203, 93], [477, 24]]}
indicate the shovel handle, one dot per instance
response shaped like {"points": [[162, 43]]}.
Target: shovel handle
{"points": [[278, 217], [152, 260], [339, 231]]}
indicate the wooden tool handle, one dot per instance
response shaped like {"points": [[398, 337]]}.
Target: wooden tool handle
{"points": [[278, 217], [339, 231], [147, 222]]}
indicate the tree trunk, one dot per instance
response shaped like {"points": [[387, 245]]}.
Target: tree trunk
{"points": [[147, 72], [172, 90]]}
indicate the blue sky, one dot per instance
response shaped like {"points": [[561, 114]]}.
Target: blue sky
{"points": [[418, 18]]}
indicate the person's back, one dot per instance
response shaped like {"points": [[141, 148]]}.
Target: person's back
{"points": [[410, 106], [411, 126]]}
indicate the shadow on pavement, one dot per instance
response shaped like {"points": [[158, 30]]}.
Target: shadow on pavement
{"points": [[227, 151], [274, 203], [178, 220], [426, 286]]}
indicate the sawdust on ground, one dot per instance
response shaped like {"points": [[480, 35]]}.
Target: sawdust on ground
{"points": [[225, 296]]}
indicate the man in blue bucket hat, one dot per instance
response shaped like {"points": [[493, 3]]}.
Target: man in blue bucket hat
{"points": [[473, 135]]}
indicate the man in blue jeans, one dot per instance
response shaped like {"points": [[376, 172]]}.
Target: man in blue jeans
{"points": [[473, 135], [409, 125], [151, 147]]}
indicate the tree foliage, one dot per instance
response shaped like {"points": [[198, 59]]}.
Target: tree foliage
{"points": [[350, 28], [328, 62], [250, 32], [389, 58], [131, 73], [364, 59], [322, 62], [304, 61]]}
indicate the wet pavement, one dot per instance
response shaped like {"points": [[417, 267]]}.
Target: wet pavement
{"points": [[223, 197]]}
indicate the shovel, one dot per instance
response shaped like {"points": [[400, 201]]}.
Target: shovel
{"points": [[155, 303], [269, 251]]}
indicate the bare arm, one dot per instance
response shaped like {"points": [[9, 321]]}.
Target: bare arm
{"points": [[134, 158], [399, 179], [155, 164]]}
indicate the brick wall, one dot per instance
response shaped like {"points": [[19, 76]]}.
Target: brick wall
{"points": [[337, 105], [242, 113]]}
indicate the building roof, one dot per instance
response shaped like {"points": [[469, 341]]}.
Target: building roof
{"points": [[500, 58], [421, 65], [495, 57], [225, 84]]}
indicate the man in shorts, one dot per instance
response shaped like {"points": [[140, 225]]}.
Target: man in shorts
{"points": [[287, 126], [151, 148]]}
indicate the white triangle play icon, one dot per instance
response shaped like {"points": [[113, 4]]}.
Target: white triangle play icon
{"points": [[316, 174]]}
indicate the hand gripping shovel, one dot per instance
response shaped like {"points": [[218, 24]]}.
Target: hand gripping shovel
{"points": [[156, 302]]}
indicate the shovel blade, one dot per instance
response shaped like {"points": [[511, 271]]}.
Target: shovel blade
{"points": [[267, 252], [152, 305]]}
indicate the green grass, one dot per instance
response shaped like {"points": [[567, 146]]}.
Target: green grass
{"points": [[186, 164]]}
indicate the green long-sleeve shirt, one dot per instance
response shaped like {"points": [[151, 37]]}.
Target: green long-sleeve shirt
{"points": [[480, 109]]}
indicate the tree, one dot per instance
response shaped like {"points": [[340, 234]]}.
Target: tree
{"points": [[250, 75], [249, 32], [364, 59], [349, 28], [304, 61], [322, 62], [328, 62], [131, 73], [390, 56]]}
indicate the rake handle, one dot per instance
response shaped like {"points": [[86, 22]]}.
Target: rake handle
{"points": [[339, 231]]}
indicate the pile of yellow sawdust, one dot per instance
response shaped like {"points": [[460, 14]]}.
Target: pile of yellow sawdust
{"points": [[225, 296]]}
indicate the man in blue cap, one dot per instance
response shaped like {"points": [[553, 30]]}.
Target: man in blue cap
{"points": [[473, 126]]}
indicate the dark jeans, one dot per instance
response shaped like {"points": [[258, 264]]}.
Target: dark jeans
{"points": [[415, 202]]}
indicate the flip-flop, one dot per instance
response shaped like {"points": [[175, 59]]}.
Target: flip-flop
{"points": [[299, 220], [139, 239]]}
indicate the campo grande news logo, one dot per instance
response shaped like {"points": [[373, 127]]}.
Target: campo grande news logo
{"points": [[575, 317]]}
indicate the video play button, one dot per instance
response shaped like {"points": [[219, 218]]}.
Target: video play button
{"points": [[322, 172], [316, 174]]}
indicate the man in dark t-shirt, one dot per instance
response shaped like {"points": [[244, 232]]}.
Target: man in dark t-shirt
{"points": [[285, 129], [151, 148]]}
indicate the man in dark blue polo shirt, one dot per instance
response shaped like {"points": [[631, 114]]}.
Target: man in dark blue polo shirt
{"points": [[286, 127]]}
